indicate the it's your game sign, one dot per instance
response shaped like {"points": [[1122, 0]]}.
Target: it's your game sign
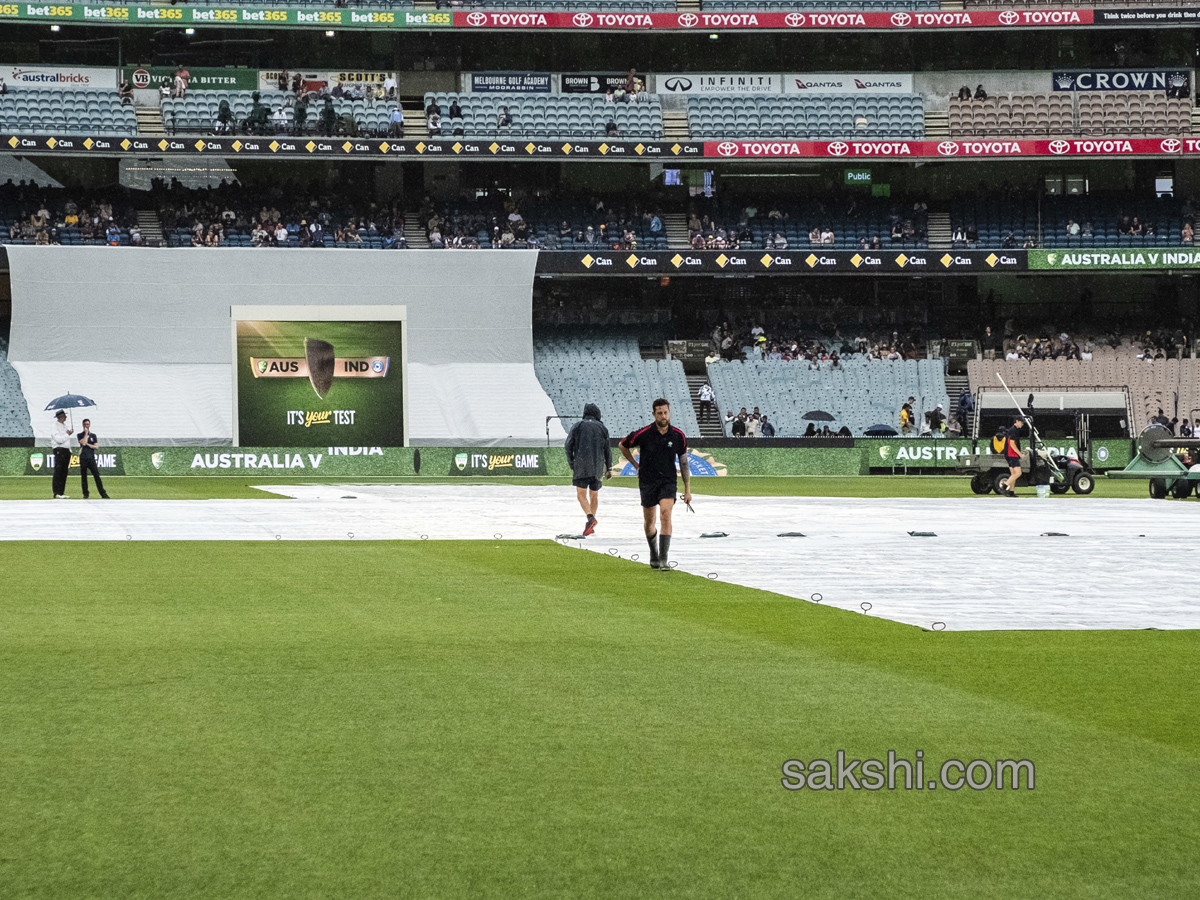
{"points": [[498, 462], [315, 376]]}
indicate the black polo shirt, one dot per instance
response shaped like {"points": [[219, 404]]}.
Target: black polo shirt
{"points": [[656, 465], [87, 447]]}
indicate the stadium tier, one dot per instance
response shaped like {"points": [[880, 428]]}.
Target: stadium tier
{"points": [[1089, 114], [816, 117], [548, 115], [608, 370], [1154, 385], [1072, 222], [14, 411], [80, 111], [857, 393], [839, 223]]}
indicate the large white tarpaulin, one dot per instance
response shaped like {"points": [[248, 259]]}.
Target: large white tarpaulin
{"points": [[470, 339]]}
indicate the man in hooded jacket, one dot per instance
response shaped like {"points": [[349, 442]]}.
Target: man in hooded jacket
{"points": [[589, 454]]}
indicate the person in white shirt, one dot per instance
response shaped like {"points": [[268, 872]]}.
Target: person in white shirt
{"points": [[706, 402], [60, 441]]}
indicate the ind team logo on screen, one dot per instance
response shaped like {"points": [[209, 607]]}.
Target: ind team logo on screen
{"points": [[320, 365]]}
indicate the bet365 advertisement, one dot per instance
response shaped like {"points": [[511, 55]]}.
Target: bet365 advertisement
{"points": [[316, 384]]}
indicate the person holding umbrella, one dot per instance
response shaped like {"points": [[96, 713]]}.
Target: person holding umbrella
{"points": [[88, 443], [60, 441]]}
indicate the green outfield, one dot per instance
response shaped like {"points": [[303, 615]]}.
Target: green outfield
{"points": [[242, 487], [503, 719]]}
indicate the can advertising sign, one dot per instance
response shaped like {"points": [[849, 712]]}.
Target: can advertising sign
{"points": [[316, 383], [1121, 79], [862, 82], [41, 462], [60, 78], [592, 82], [719, 83], [1124, 258], [493, 461], [199, 78], [509, 83]]}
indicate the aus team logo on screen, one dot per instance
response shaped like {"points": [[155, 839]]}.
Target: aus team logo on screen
{"points": [[320, 365]]}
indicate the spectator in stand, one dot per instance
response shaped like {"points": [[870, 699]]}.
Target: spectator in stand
{"points": [[814, 236], [906, 418], [135, 236], [182, 76], [1186, 234], [281, 235], [964, 92], [504, 119], [610, 129], [455, 110], [706, 397], [125, 92], [765, 428], [980, 93], [112, 235], [280, 120], [3, 87], [827, 237], [738, 429], [396, 128], [656, 225], [389, 87], [1135, 228], [300, 115], [959, 238], [1072, 228]]}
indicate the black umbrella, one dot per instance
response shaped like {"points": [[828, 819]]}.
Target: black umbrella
{"points": [[70, 401], [880, 431], [817, 415]]}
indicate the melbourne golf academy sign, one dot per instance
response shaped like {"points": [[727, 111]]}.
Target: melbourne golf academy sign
{"points": [[498, 461], [938, 453]]}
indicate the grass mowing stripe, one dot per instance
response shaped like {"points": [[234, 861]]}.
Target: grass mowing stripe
{"points": [[263, 720]]}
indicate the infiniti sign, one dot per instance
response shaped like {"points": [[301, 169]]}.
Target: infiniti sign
{"points": [[678, 85]]}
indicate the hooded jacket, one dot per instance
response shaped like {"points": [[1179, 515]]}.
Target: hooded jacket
{"points": [[589, 451]]}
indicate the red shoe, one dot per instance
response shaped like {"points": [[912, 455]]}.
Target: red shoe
{"points": [[591, 526]]}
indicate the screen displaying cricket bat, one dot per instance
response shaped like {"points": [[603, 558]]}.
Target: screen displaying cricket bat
{"points": [[319, 383]]}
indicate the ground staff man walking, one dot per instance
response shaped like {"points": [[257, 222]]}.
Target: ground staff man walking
{"points": [[88, 444], [661, 445], [589, 455], [60, 440], [707, 407], [1012, 455]]}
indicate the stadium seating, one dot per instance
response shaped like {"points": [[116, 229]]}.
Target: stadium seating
{"points": [[816, 117], [996, 220], [608, 370], [1152, 384], [197, 112], [858, 394], [81, 111], [14, 412], [551, 116], [871, 218], [1092, 113], [547, 221]]}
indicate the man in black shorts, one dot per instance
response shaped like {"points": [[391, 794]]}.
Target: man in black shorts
{"points": [[661, 445], [589, 455], [1012, 455]]}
